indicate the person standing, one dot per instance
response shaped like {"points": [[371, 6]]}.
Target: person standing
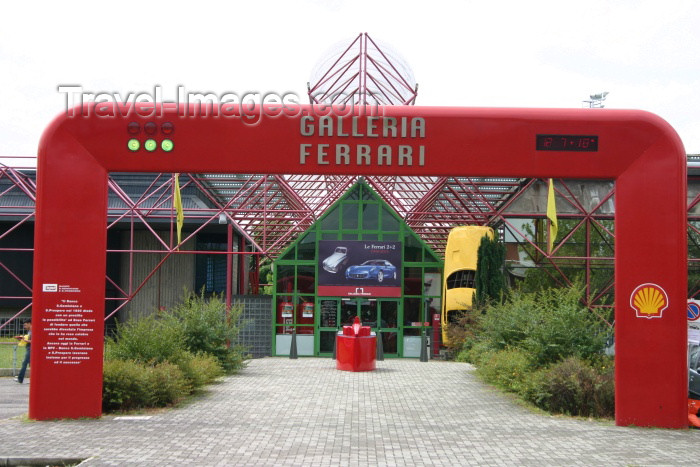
{"points": [[27, 340]]}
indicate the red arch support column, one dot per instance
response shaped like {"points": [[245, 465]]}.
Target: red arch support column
{"points": [[651, 348], [640, 151], [69, 284]]}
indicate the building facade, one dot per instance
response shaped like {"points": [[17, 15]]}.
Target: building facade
{"points": [[359, 259]]}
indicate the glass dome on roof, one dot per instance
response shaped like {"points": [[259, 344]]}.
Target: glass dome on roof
{"points": [[362, 71]]}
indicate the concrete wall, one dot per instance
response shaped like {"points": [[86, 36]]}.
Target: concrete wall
{"points": [[165, 287]]}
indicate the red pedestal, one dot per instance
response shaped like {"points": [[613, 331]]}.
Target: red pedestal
{"points": [[356, 348]]}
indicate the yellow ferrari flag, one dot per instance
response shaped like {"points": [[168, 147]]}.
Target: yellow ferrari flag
{"points": [[552, 216], [177, 203]]}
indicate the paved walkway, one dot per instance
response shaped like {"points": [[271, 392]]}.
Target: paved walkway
{"points": [[304, 412], [13, 399]]}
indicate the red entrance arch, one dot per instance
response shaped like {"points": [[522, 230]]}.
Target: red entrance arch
{"points": [[639, 150]]}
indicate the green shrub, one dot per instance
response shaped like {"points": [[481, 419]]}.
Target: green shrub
{"points": [[535, 388], [546, 347], [159, 359], [463, 356], [208, 328], [507, 325], [150, 339], [573, 387], [125, 386], [565, 328], [477, 353], [548, 325], [461, 333], [604, 401], [129, 385], [507, 369], [168, 384], [200, 369]]}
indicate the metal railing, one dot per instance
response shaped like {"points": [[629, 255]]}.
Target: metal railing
{"points": [[3, 349]]}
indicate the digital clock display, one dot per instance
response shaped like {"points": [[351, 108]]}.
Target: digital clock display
{"points": [[566, 143]]}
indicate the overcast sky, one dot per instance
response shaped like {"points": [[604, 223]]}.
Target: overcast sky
{"points": [[646, 54]]}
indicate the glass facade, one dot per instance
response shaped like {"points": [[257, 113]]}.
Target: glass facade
{"points": [[396, 300], [210, 269]]}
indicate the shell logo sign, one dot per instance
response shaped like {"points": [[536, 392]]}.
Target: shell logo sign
{"points": [[649, 301]]}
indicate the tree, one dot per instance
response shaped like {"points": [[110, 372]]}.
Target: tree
{"points": [[490, 281]]}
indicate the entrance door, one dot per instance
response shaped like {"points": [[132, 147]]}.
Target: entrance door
{"points": [[389, 327], [366, 309], [338, 312], [379, 314], [328, 325]]}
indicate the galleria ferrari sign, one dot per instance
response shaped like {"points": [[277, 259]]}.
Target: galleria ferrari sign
{"points": [[352, 153]]}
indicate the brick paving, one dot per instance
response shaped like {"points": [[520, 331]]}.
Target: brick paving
{"points": [[305, 412], [13, 398]]}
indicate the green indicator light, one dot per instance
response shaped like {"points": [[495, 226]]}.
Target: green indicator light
{"points": [[150, 145], [133, 144], [167, 145]]}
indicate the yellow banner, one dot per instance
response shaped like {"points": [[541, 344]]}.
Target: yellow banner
{"points": [[177, 203], [552, 216]]}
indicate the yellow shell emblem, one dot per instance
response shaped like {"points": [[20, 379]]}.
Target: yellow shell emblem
{"points": [[649, 301]]}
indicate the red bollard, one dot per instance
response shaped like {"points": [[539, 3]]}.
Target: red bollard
{"points": [[436, 335], [356, 348]]}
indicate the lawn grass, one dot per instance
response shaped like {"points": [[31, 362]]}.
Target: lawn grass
{"points": [[6, 351]]}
